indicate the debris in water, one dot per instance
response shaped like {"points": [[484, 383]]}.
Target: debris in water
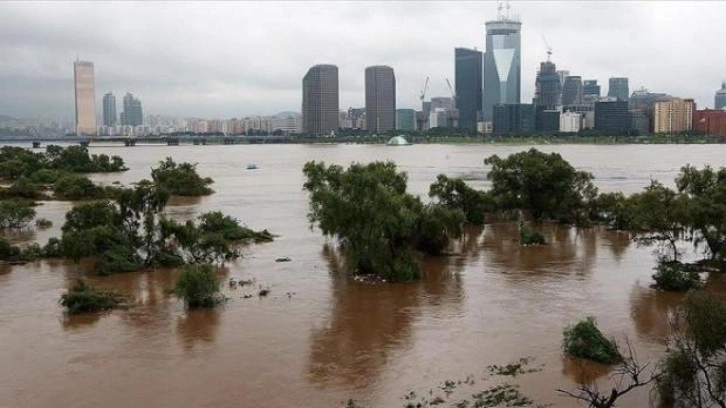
{"points": [[285, 259]]}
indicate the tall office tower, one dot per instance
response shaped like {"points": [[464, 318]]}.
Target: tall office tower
{"points": [[405, 119], [132, 114], [380, 99], [720, 99], [468, 77], [612, 117], [619, 89], [85, 91], [502, 64], [572, 91], [590, 88], [320, 100], [109, 109], [548, 91]]}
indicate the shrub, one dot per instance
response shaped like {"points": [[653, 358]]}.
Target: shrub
{"points": [[15, 213], [72, 187], [82, 298], [45, 176], [32, 252], [675, 276], [529, 237], [180, 179], [585, 340], [24, 188], [118, 259], [8, 251], [53, 248], [198, 287], [229, 228], [43, 223]]}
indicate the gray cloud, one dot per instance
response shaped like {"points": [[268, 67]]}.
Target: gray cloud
{"points": [[231, 59]]}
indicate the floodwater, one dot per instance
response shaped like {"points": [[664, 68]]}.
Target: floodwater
{"points": [[319, 339]]}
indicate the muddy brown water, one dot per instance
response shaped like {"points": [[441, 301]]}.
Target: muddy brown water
{"points": [[319, 339]]}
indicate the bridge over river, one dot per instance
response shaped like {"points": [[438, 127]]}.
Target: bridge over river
{"points": [[169, 140]]}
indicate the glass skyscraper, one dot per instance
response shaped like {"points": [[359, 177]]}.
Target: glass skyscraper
{"points": [[109, 109], [502, 64], [132, 114], [619, 89], [720, 99], [468, 84]]}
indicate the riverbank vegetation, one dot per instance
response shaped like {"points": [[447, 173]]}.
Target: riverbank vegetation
{"points": [[15, 213], [584, 340], [131, 233], [381, 228], [83, 298], [198, 287], [181, 179]]}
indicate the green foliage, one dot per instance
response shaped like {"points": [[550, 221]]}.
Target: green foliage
{"points": [[675, 276], [180, 179], [229, 228], [44, 168], [76, 159], [76, 188], [660, 211], [45, 176], [528, 237], [706, 212], [90, 215], [22, 188], [615, 210], [43, 223], [8, 251], [53, 248], [693, 371], [82, 298], [198, 287], [544, 184], [15, 213], [380, 227], [32, 252], [454, 193], [585, 340]]}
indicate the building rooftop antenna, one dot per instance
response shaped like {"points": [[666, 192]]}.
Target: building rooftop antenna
{"points": [[549, 49]]}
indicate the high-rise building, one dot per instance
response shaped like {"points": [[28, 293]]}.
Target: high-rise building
{"points": [[513, 119], [570, 122], [405, 119], [720, 99], [612, 117], [674, 116], [132, 114], [380, 99], [85, 95], [590, 88], [320, 100], [548, 90], [572, 91], [109, 110], [468, 84], [618, 88], [502, 65]]}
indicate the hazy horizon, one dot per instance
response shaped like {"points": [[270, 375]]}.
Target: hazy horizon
{"points": [[222, 60]]}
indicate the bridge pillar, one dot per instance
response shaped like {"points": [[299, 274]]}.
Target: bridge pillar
{"points": [[36, 145], [84, 143], [128, 143], [172, 142]]}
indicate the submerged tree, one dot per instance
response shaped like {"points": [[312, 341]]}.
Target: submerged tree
{"points": [[83, 298], [380, 227], [180, 179], [693, 372], [15, 213], [198, 287], [544, 184], [454, 193]]}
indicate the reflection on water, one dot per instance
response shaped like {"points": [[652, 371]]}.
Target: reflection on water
{"points": [[72, 322], [568, 250], [650, 310], [584, 371], [198, 327], [370, 322]]}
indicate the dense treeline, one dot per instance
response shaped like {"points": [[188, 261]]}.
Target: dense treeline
{"points": [[382, 228]]}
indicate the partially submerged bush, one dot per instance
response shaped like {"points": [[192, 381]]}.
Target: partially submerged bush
{"points": [[229, 228], [198, 287], [181, 179], [74, 187], [529, 237], [15, 213], [675, 276], [43, 223], [8, 251], [82, 298], [585, 340]]}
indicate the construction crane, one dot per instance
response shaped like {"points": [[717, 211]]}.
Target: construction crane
{"points": [[549, 49], [422, 118], [453, 95]]}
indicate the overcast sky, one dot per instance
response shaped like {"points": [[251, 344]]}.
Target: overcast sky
{"points": [[233, 59]]}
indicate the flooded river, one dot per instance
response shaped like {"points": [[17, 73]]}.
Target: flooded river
{"points": [[318, 339]]}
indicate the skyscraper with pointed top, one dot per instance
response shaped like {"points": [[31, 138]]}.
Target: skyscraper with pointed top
{"points": [[502, 65]]}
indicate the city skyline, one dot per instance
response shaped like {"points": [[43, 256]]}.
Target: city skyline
{"points": [[594, 40]]}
